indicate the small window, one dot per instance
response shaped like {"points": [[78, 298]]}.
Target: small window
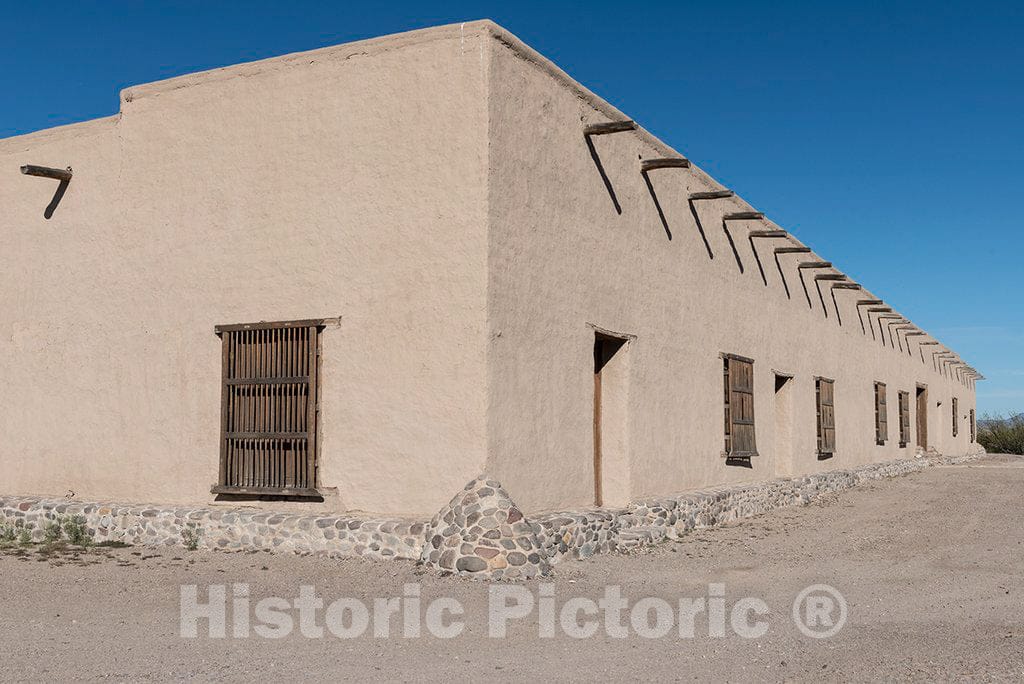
{"points": [[881, 414], [824, 390], [974, 428], [904, 406], [738, 375], [269, 408], [956, 422]]}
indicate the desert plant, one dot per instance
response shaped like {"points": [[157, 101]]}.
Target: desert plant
{"points": [[77, 531], [191, 535], [25, 537], [53, 530], [8, 533], [1001, 435]]}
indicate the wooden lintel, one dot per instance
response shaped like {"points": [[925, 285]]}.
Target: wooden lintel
{"points": [[881, 309], [816, 264], [665, 163], [609, 127], [743, 216], [847, 286], [313, 322], [47, 172], [792, 250], [830, 276], [714, 194], [916, 334], [869, 302], [307, 492], [767, 234]]}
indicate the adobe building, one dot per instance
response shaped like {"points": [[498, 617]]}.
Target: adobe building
{"points": [[353, 279]]}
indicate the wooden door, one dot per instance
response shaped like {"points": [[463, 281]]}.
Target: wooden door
{"points": [[605, 347], [922, 417]]}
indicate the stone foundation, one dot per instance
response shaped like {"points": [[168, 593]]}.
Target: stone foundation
{"points": [[545, 541], [230, 529], [645, 522], [481, 533]]}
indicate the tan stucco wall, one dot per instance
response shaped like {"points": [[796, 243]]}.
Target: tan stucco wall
{"points": [[344, 182], [563, 261], [433, 190]]}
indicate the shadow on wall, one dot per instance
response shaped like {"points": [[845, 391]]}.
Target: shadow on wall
{"points": [[57, 197], [657, 204], [604, 176]]}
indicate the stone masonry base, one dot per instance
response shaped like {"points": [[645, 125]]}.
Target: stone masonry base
{"points": [[555, 536]]}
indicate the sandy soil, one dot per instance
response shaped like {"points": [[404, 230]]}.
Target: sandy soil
{"points": [[931, 567]]}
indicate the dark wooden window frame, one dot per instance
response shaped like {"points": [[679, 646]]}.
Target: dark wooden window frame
{"points": [[738, 380], [956, 422], [269, 442], [974, 427], [826, 417], [881, 414], [903, 401]]}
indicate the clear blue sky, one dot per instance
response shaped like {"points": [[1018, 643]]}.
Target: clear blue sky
{"points": [[888, 136]]}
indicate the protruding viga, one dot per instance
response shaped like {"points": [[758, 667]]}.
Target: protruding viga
{"points": [[482, 534]]}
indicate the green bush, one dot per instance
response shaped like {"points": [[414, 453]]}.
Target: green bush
{"points": [[1002, 435], [25, 538], [8, 533], [77, 531], [191, 535], [53, 530]]}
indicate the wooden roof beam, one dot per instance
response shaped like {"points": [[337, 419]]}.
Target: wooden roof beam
{"points": [[778, 264], [875, 309], [766, 235], [866, 302], [831, 278], [800, 272], [740, 216], [664, 163], [47, 172], [711, 195], [892, 318], [705, 195], [898, 322], [843, 285], [922, 345], [609, 127]]}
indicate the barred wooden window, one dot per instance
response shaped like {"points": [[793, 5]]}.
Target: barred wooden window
{"points": [[904, 406], [881, 414], [974, 428], [738, 382], [824, 390], [956, 423], [269, 408]]}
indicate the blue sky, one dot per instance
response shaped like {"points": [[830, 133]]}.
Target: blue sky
{"points": [[888, 136]]}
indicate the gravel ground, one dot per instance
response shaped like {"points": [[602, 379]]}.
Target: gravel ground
{"points": [[931, 567]]}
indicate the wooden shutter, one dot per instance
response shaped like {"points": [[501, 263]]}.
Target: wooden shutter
{"points": [[904, 408], [955, 424], [825, 391], [269, 408], [973, 428], [881, 414], [739, 407]]}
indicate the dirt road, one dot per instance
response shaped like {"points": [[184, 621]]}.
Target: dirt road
{"points": [[930, 567]]}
